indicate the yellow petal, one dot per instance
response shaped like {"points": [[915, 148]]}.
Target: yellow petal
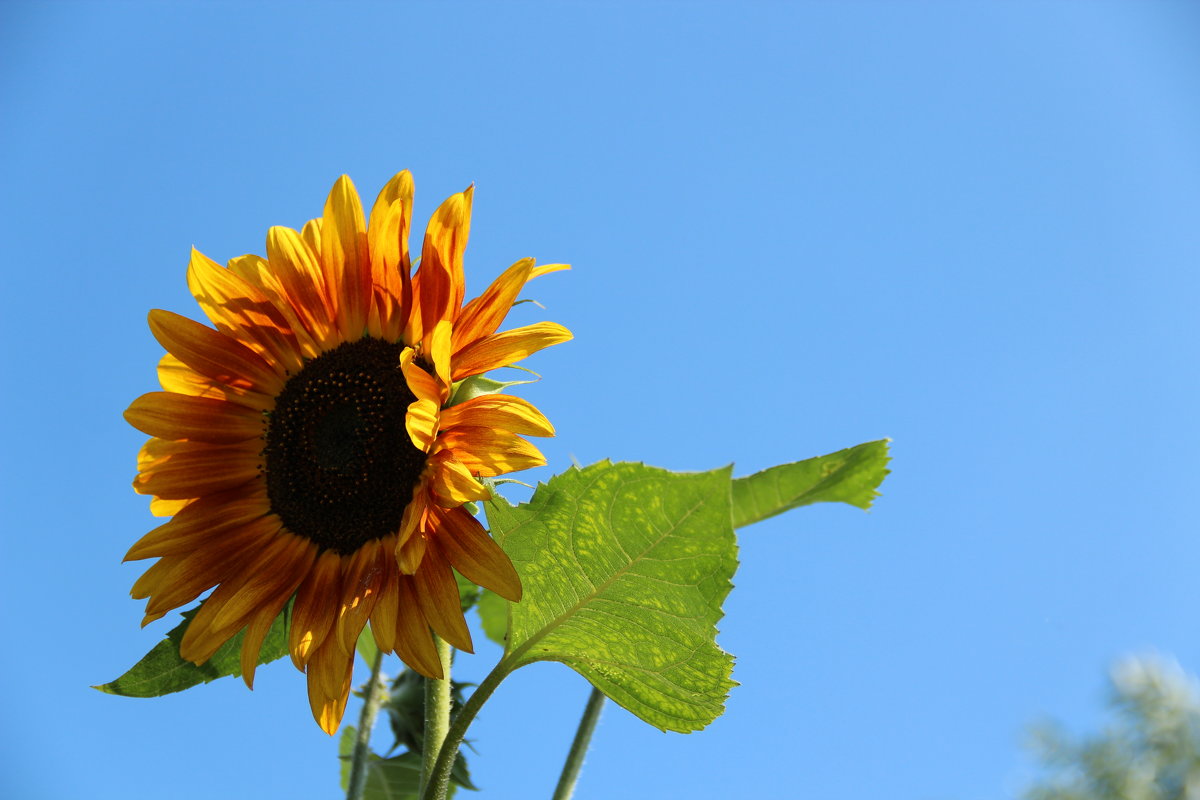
{"points": [[241, 310], [498, 411], [503, 349], [441, 280], [214, 354], [490, 451], [345, 258], [329, 673], [452, 484], [483, 315]]}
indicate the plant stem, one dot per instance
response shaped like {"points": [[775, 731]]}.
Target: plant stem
{"points": [[583, 737], [437, 713], [439, 780], [372, 699]]}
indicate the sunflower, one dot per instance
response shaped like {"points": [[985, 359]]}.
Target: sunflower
{"points": [[318, 444]]}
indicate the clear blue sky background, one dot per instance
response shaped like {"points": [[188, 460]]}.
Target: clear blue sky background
{"points": [[971, 227]]}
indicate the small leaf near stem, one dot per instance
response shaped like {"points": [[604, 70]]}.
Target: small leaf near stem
{"points": [[437, 716], [372, 699], [583, 737]]}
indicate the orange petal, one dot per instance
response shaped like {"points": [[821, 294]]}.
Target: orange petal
{"points": [[360, 593], [175, 376], [214, 354], [420, 382], [329, 672], [498, 411], [483, 315], [345, 258], [452, 484], [200, 570], [257, 271], [200, 469], [391, 267], [475, 554], [441, 273], [241, 310], [507, 348], [437, 594], [299, 270], [490, 451], [256, 631], [414, 645], [383, 616], [421, 422], [201, 522], [176, 416], [313, 612]]}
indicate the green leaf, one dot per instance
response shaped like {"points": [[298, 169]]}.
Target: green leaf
{"points": [[468, 592], [625, 567], [366, 647], [493, 615], [848, 476], [395, 778], [162, 671]]}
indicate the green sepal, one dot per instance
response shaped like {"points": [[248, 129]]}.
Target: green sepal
{"points": [[162, 671], [478, 385], [848, 476]]}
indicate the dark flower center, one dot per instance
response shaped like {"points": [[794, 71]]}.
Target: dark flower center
{"points": [[340, 466]]}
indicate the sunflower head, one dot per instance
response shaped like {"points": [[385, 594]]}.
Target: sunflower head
{"points": [[311, 446]]}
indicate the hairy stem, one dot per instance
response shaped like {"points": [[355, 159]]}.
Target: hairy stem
{"points": [[437, 714], [372, 699], [439, 780], [583, 737]]}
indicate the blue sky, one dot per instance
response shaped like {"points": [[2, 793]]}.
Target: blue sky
{"points": [[971, 228]]}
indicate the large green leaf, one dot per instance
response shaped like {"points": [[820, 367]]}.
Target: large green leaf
{"points": [[162, 671], [493, 615], [849, 476], [625, 568]]}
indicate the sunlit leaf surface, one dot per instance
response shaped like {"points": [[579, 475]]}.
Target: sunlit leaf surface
{"points": [[625, 568]]}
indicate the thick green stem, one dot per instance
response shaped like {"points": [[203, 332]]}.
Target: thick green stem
{"points": [[583, 737], [439, 781], [372, 699], [437, 713]]}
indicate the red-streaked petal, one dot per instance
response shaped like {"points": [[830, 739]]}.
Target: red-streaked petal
{"points": [[414, 645], [329, 672], [441, 273], [175, 376], [241, 310], [483, 315], [202, 523], [299, 270], [214, 354], [498, 411], [312, 613], [437, 594], [507, 348], [200, 470], [473, 553], [490, 451], [345, 258], [176, 416], [451, 483]]}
